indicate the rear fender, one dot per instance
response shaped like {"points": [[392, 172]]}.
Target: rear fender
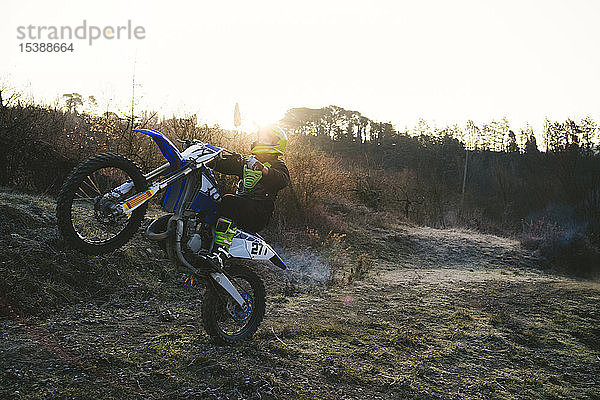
{"points": [[252, 246]]}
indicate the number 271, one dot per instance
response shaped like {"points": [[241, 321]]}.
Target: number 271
{"points": [[258, 248]]}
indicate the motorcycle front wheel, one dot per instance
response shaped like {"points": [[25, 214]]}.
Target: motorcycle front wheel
{"points": [[84, 214], [224, 320]]}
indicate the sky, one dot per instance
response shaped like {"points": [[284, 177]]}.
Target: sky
{"points": [[398, 61]]}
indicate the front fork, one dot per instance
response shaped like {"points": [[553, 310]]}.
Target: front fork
{"points": [[219, 277], [226, 284]]}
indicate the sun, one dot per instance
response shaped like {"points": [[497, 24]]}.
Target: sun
{"points": [[259, 113]]}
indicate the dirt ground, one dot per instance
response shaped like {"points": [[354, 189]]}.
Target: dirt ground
{"points": [[441, 314]]}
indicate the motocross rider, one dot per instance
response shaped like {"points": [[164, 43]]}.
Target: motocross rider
{"points": [[262, 175]]}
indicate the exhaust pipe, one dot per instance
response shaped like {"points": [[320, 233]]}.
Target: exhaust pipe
{"points": [[156, 230]]}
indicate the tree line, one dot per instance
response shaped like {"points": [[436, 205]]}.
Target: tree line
{"points": [[484, 176]]}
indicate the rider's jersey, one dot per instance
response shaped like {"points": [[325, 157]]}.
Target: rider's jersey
{"points": [[253, 185]]}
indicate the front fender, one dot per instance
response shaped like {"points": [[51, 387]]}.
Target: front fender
{"points": [[167, 148]]}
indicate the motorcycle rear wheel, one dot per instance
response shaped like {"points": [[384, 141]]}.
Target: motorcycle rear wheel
{"points": [[218, 307], [82, 221]]}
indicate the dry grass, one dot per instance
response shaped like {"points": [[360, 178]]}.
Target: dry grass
{"points": [[436, 314]]}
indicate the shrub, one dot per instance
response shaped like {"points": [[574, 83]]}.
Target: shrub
{"points": [[566, 249], [315, 178]]}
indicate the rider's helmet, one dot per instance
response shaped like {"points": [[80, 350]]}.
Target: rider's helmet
{"points": [[271, 140]]}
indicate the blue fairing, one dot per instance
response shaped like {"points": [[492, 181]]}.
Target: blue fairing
{"points": [[167, 148], [203, 202], [173, 195]]}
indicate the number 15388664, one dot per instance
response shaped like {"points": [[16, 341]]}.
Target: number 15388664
{"points": [[36, 47]]}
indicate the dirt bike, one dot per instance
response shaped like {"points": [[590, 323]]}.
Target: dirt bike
{"points": [[102, 204]]}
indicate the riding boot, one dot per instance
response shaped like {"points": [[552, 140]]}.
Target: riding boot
{"points": [[224, 232]]}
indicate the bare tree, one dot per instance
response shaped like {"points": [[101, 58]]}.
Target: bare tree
{"points": [[72, 101]]}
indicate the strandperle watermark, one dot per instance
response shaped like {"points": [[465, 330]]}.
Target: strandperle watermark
{"points": [[90, 33]]}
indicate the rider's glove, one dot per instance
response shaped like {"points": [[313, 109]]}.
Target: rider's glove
{"points": [[258, 166], [251, 161]]}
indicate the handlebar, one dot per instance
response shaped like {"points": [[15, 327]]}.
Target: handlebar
{"points": [[186, 143], [190, 142]]}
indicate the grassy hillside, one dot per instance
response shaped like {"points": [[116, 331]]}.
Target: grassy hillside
{"points": [[428, 314]]}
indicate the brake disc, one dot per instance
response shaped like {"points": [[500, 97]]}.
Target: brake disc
{"points": [[236, 312]]}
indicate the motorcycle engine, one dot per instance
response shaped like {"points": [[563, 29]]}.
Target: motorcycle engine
{"points": [[195, 243], [198, 235]]}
